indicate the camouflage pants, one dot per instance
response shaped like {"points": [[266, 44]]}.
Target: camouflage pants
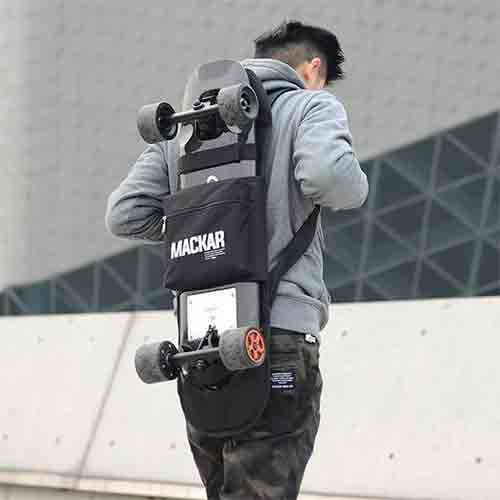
{"points": [[268, 462]]}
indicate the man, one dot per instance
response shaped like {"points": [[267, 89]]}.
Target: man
{"points": [[311, 161]]}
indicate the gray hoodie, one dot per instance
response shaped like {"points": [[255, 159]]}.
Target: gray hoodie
{"points": [[312, 162]]}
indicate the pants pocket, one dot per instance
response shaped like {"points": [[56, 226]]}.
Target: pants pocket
{"points": [[292, 385]]}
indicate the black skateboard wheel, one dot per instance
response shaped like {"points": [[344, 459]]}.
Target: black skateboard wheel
{"points": [[153, 363], [242, 348], [238, 106], [153, 123]]}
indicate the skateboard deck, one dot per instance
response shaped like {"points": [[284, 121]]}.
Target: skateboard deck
{"points": [[204, 82]]}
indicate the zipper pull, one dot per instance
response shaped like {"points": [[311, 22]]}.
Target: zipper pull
{"points": [[163, 224]]}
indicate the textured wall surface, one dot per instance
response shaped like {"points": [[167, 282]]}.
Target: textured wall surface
{"points": [[410, 404], [30, 493], [75, 73]]}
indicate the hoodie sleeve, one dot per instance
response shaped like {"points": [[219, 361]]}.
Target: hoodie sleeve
{"points": [[134, 208], [325, 164]]}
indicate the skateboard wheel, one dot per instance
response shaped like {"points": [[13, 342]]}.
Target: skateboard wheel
{"points": [[238, 106], [242, 348], [152, 362], [153, 123]]}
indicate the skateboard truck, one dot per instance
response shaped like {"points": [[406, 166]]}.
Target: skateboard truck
{"points": [[238, 349], [237, 105]]}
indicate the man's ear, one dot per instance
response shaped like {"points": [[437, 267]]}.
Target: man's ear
{"points": [[316, 63]]}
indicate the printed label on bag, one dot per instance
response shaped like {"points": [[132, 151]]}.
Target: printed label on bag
{"points": [[212, 244], [283, 379]]}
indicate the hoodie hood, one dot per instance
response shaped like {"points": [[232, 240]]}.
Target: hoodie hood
{"points": [[274, 75]]}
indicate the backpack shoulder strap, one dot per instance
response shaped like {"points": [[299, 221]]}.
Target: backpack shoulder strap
{"points": [[305, 235], [277, 94], [300, 242], [289, 256]]}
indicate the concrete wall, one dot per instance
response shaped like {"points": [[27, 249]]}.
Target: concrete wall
{"points": [[31, 493], [75, 73], [410, 406]]}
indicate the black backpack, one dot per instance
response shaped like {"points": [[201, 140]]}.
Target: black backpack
{"points": [[216, 240]]}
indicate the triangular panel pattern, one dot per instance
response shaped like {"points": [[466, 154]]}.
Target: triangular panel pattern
{"points": [[456, 260], [415, 162], [454, 164], [478, 136]]}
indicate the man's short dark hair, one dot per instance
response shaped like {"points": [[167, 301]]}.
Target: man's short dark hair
{"points": [[295, 43]]}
